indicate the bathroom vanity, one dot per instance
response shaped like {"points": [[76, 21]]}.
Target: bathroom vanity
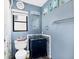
{"points": [[39, 46]]}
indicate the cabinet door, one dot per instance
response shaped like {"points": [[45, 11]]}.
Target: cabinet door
{"points": [[38, 48]]}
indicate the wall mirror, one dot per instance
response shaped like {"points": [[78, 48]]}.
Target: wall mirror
{"points": [[35, 21]]}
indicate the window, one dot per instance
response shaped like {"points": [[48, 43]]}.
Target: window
{"points": [[20, 22]]}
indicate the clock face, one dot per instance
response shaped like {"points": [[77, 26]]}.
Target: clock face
{"points": [[20, 5]]}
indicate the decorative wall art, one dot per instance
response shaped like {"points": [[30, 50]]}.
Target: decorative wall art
{"points": [[55, 3], [61, 2], [50, 7], [45, 10], [20, 5]]}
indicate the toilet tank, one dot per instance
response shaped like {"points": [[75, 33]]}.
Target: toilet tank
{"points": [[20, 44]]}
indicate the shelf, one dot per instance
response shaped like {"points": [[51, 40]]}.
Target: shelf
{"points": [[64, 20]]}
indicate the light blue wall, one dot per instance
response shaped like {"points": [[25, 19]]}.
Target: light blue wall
{"points": [[62, 33], [31, 29]]}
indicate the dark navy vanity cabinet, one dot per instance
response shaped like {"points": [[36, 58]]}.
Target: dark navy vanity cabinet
{"points": [[38, 47]]}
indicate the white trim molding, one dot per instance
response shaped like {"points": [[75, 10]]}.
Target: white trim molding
{"points": [[16, 11]]}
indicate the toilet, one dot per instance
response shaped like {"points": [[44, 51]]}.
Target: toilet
{"points": [[20, 44]]}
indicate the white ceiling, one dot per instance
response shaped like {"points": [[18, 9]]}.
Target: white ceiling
{"points": [[39, 3]]}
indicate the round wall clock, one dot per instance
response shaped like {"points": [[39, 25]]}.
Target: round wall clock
{"points": [[20, 5]]}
